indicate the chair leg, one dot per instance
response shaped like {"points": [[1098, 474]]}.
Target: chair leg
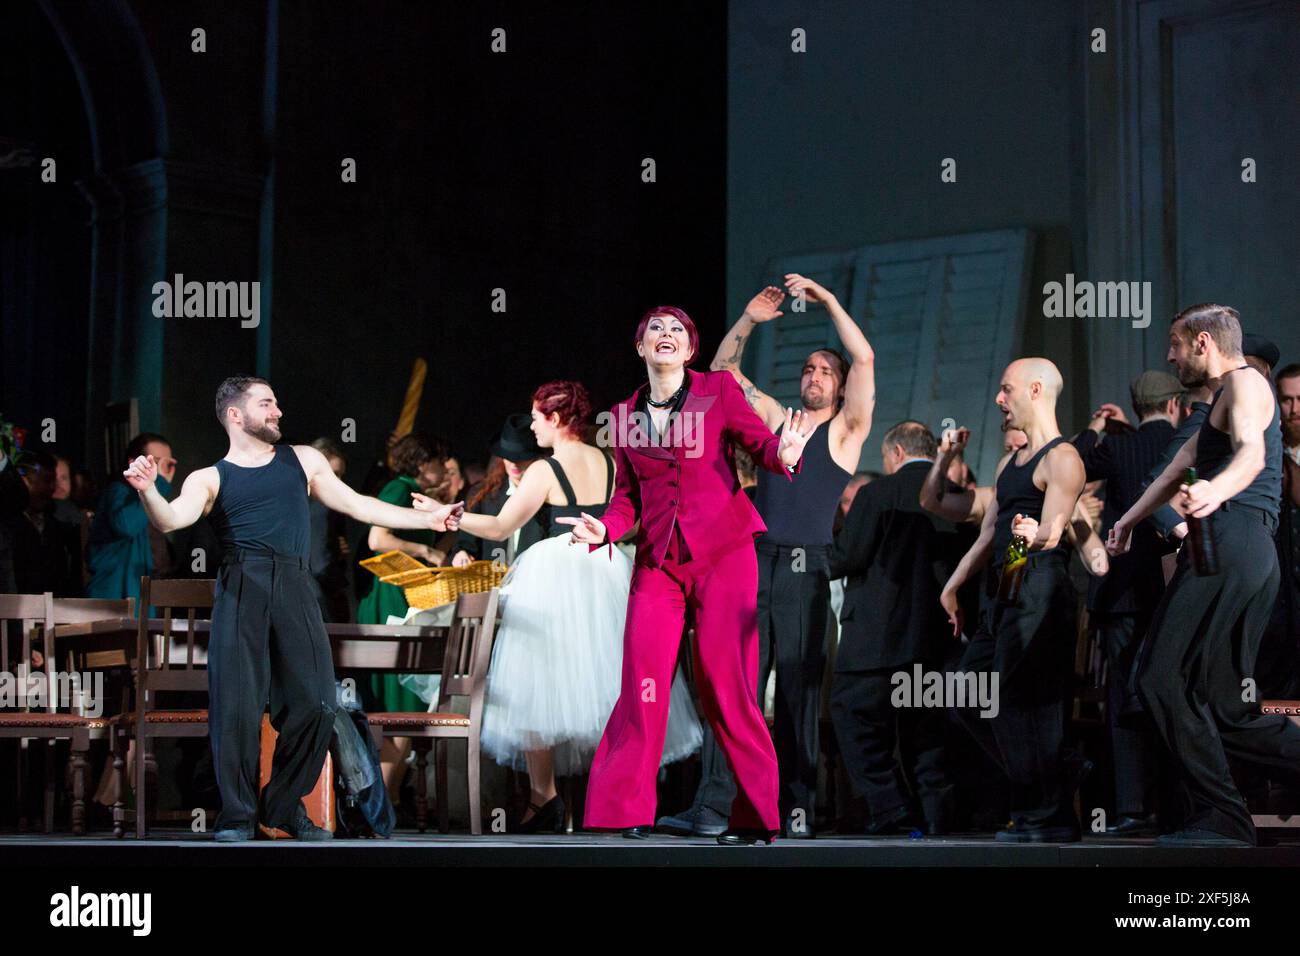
{"points": [[475, 784], [119, 785], [78, 761], [139, 786], [48, 804], [22, 793], [421, 784], [444, 796]]}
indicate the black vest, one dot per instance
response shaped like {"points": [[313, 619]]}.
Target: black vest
{"points": [[802, 510], [263, 508], [1017, 494]]}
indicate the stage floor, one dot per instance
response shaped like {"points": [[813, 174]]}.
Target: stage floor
{"points": [[584, 850]]}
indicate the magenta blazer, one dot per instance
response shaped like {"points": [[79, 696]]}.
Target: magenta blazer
{"points": [[691, 480]]}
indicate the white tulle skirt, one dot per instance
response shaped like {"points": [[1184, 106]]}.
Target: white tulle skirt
{"points": [[557, 659]]}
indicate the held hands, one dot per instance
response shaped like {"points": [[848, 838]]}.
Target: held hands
{"points": [[441, 517], [1027, 528], [763, 307], [794, 436], [1120, 538], [140, 474], [1107, 410], [586, 530]]}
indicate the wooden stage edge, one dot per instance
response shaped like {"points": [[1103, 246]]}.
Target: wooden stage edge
{"points": [[452, 850]]}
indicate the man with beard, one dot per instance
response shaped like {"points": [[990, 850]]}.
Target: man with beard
{"points": [[1205, 636], [793, 555], [267, 640], [1027, 641]]}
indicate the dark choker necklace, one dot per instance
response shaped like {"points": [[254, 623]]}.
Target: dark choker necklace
{"points": [[670, 400]]}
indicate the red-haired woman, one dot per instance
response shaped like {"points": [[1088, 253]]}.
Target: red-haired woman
{"points": [[695, 550], [557, 659]]}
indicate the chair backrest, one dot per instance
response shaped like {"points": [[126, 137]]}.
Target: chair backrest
{"points": [[32, 613], [469, 651], [84, 610], [153, 650]]}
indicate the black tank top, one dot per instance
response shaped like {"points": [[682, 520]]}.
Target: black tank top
{"points": [[1214, 451], [571, 508], [263, 508], [1017, 494], [802, 510]]}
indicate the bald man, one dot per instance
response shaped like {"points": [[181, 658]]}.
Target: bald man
{"points": [[1027, 645]]}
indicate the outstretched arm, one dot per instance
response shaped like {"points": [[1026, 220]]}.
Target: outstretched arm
{"points": [[621, 513], [972, 561], [860, 386], [1158, 493], [762, 308], [518, 509], [197, 494], [325, 486]]}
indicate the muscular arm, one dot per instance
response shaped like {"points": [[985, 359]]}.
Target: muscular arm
{"points": [[939, 498], [534, 487], [1064, 474], [1249, 403], [196, 497], [727, 359], [325, 486], [977, 557], [860, 386], [1163, 487]]}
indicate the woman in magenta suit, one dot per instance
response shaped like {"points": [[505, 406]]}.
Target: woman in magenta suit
{"points": [[675, 471]]}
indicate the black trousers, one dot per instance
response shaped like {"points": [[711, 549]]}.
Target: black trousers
{"points": [[1029, 647], [870, 728], [1135, 745], [1203, 645], [267, 645], [794, 595]]}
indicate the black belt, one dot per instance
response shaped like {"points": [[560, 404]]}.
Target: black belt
{"points": [[246, 555], [1267, 517]]}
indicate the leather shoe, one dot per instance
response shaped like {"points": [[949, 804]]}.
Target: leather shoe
{"points": [[301, 828], [1051, 834], [637, 833], [1195, 836], [743, 836], [233, 834], [1127, 826], [697, 821]]}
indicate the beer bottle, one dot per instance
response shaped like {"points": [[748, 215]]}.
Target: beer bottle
{"points": [[1013, 570], [1200, 538]]}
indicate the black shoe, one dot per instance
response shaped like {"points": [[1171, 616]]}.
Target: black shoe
{"points": [[1050, 834], [1127, 826], [301, 828], [637, 833], [697, 821], [898, 821], [1194, 836], [742, 836], [236, 833], [548, 818]]}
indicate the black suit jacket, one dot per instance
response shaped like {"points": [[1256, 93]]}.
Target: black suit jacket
{"points": [[896, 557], [1134, 583]]}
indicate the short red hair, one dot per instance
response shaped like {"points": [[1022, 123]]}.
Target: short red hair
{"points": [[691, 333], [569, 400]]}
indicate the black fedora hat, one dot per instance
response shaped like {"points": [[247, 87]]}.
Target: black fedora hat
{"points": [[515, 441]]}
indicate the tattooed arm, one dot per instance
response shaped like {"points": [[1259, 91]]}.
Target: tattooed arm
{"points": [[762, 308]]}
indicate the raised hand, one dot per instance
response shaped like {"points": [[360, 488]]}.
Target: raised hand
{"points": [[799, 426], [953, 441], [763, 307], [796, 284], [1107, 410], [586, 529], [141, 473]]}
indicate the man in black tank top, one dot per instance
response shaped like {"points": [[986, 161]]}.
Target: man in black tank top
{"points": [[1027, 645], [793, 555], [1197, 675], [268, 643]]}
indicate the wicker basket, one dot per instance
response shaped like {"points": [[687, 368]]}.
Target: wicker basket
{"points": [[427, 587]]}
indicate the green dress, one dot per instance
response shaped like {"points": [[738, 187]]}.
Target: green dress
{"points": [[388, 599]]}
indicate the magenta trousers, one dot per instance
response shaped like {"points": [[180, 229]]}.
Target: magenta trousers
{"points": [[722, 596]]}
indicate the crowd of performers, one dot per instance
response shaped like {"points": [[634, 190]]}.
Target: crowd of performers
{"points": [[584, 673]]}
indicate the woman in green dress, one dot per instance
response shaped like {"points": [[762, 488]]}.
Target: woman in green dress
{"points": [[419, 462]]}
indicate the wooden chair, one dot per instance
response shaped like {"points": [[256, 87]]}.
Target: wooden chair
{"points": [[154, 673], [35, 613], [82, 611], [464, 674]]}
